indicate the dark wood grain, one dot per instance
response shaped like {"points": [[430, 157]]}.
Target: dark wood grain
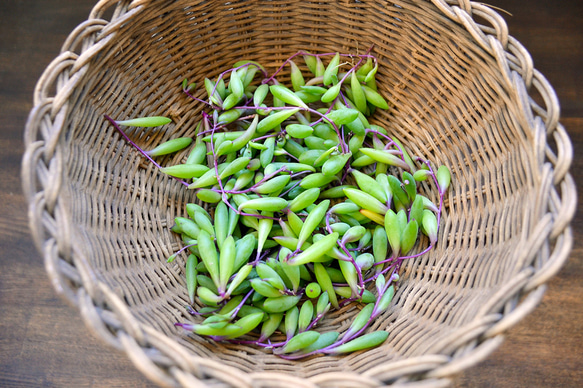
{"points": [[43, 340], [546, 348]]}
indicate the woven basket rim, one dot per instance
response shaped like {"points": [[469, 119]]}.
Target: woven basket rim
{"points": [[163, 360]]}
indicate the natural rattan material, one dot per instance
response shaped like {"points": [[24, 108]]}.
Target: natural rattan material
{"points": [[462, 92]]}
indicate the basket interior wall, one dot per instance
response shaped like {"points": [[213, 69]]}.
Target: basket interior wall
{"points": [[447, 104]]}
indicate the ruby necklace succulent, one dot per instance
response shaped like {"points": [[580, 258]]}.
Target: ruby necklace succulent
{"points": [[310, 206]]}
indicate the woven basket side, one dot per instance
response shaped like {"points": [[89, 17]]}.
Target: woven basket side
{"points": [[75, 165]]}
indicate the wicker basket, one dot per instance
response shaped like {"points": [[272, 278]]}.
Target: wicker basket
{"points": [[463, 93]]}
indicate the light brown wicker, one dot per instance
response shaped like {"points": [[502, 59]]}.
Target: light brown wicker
{"points": [[463, 92]]}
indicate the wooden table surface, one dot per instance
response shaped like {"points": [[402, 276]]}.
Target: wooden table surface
{"points": [[43, 341]]}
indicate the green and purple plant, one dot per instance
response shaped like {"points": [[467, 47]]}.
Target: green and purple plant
{"points": [[309, 206]]}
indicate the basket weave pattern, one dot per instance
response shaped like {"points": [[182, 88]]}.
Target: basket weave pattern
{"points": [[462, 92]]}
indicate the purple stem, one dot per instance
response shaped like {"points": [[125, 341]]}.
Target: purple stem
{"points": [[401, 258], [144, 153], [240, 305], [265, 137], [191, 311], [258, 342], [184, 248], [185, 326], [328, 226], [196, 98], [290, 189], [140, 150], [314, 321]]}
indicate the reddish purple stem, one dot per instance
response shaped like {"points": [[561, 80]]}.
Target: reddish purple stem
{"points": [[140, 150]]}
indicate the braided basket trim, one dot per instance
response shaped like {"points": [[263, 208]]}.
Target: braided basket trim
{"points": [[524, 236]]}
